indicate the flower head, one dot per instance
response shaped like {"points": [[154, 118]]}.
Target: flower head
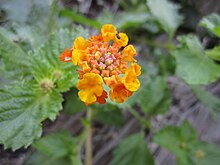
{"points": [[106, 59]]}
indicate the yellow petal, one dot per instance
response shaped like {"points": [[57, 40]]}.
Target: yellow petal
{"points": [[128, 53], [122, 40], [79, 56], [130, 81], [108, 32], [87, 97], [136, 68], [76, 56], [90, 87], [79, 43]]}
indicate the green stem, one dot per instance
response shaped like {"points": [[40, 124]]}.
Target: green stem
{"points": [[144, 122], [136, 115], [88, 144]]}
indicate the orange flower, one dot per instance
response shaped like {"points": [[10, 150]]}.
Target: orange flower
{"points": [[101, 99], [119, 92], [66, 56], [103, 63]]}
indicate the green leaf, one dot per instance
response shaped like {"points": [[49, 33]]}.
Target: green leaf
{"points": [[132, 150], [80, 18], [125, 20], [214, 53], [39, 158], [206, 154], [22, 109], [28, 11], [72, 103], [153, 96], [193, 65], [57, 148], [212, 23], [183, 143], [56, 145], [32, 35], [211, 101], [108, 114], [166, 14], [14, 59], [177, 140], [45, 61]]}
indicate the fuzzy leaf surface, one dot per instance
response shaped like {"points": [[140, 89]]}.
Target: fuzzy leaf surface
{"points": [[22, 109]]}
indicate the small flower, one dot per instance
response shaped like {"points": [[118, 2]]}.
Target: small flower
{"points": [[91, 87], [119, 92], [128, 53], [121, 39], [66, 56], [102, 61], [108, 32], [131, 81]]}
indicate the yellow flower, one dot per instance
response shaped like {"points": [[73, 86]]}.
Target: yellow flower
{"points": [[79, 43], [90, 87], [108, 32], [128, 53], [76, 56], [103, 63], [131, 81], [136, 68], [79, 51], [121, 39]]}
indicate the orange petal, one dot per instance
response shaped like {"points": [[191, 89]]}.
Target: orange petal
{"points": [[85, 67], [119, 93], [66, 56], [105, 73], [102, 99], [109, 81]]}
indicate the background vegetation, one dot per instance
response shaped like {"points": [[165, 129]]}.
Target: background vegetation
{"points": [[42, 120]]}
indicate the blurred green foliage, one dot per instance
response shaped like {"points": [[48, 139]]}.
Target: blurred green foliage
{"points": [[35, 85], [132, 150], [56, 148], [184, 144]]}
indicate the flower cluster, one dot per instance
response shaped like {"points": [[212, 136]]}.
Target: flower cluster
{"points": [[104, 59]]}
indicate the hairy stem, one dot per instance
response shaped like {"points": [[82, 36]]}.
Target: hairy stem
{"points": [[88, 144]]}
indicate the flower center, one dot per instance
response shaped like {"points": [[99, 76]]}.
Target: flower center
{"points": [[105, 58]]}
